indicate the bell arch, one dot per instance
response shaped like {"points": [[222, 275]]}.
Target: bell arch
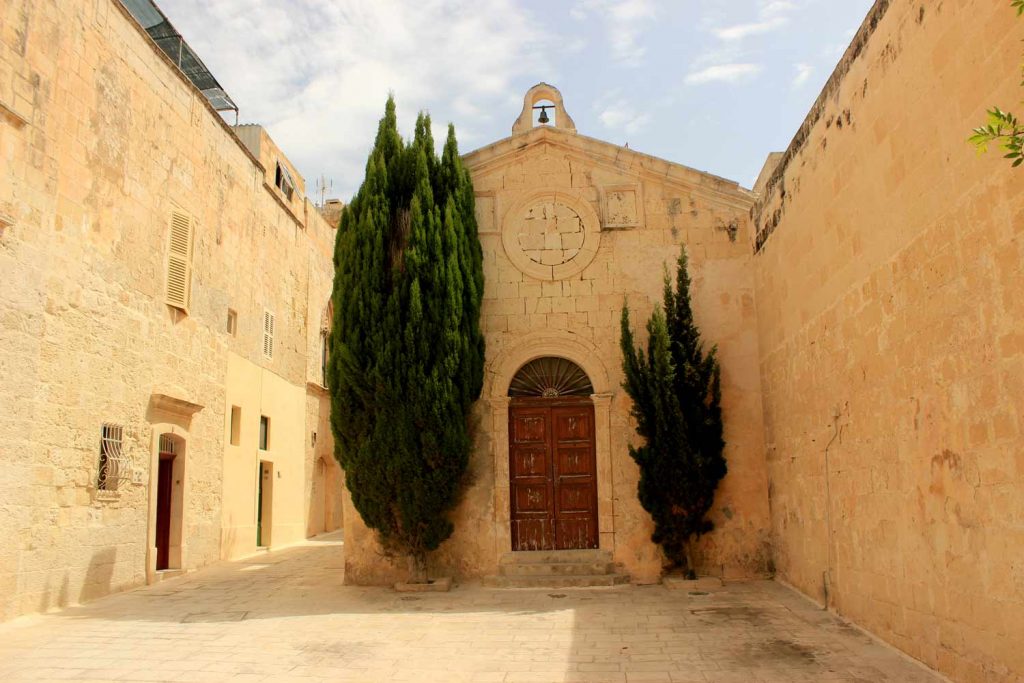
{"points": [[538, 93]]}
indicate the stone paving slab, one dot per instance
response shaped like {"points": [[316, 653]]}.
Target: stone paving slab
{"points": [[286, 617]]}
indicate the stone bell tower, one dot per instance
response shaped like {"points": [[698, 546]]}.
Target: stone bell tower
{"points": [[540, 93]]}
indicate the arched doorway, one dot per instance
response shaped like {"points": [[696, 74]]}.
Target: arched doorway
{"points": [[552, 457], [169, 501], [319, 506]]}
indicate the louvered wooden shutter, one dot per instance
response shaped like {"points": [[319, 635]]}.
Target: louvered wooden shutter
{"points": [[179, 260], [268, 334]]}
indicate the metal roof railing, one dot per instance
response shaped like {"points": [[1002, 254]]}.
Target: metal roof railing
{"points": [[167, 38]]}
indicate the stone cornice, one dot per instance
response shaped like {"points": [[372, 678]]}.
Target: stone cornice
{"points": [[616, 158]]}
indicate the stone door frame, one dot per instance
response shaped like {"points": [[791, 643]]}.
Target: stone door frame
{"points": [[500, 372]]}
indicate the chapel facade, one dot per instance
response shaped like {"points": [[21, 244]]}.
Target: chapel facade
{"points": [[164, 287], [572, 228]]}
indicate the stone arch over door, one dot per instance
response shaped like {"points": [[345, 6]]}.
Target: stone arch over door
{"points": [[500, 373]]}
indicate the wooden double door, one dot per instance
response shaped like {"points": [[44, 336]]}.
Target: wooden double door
{"points": [[553, 478]]}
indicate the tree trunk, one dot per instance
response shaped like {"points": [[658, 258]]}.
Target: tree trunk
{"points": [[418, 568]]}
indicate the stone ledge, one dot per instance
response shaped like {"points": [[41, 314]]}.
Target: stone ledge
{"points": [[704, 584], [442, 585]]}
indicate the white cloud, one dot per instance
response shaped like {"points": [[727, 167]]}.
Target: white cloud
{"points": [[803, 72], [617, 113], [624, 20], [316, 73], [772, 16], [741, 31], [727, 73]]}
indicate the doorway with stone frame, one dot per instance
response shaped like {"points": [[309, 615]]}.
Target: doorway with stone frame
{"points": [[572, 422], [552, 463]]}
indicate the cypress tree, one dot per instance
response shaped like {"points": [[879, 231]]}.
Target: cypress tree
{"points": [[675, 387], [406, 359]]}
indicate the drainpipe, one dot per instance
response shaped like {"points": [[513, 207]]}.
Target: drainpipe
{"points": [[826, 578]]}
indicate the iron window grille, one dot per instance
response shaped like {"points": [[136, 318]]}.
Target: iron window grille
{"points": [[114, 466], [550, 378]]}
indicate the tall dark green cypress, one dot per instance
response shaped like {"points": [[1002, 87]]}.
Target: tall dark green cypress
{"points": [[406, 360], [676, 392]]}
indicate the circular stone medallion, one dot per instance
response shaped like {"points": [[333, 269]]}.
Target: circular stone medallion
{"points": [[550, 235]]}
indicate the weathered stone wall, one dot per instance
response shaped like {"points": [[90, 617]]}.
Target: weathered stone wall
{"points": [[889, 306], [636, 210], [100, 136]]}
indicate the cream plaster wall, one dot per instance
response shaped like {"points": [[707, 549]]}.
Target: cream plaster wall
{"points": [[890, 308], [638, 210], [100, 136], [258, 392]]}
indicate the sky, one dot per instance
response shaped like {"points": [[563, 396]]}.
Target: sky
{"points": [[712, 84]]}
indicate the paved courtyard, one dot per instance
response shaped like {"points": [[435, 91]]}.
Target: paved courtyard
{"points": [[286, 617]]}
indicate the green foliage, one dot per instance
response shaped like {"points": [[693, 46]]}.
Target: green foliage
{"points": [[406, 359], [675, 387], [1002, 127]]}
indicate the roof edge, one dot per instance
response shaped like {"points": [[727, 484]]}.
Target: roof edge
{"points": [[853, 51], [616, 154]]}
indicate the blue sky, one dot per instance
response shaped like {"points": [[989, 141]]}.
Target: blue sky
{"points": [[712, 84]]}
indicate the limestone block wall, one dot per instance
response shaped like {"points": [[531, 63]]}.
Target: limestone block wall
{"points": [[324, 476], [100, 138], [889, 307], [637, 211]]}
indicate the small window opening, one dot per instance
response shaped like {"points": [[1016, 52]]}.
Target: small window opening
{"points": [[181, 244], [323, 357], [167, 446], [268, 334], [264, 432], [284, 182], [236, 425], [111, 448], [232, 322]]}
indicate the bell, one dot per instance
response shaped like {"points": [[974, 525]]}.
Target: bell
{"points": [[543, 115]]}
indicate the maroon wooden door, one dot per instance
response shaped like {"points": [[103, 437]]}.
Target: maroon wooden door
{"points": [[165, 481], [552, 470]]}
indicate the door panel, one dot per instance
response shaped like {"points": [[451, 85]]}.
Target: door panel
{"points": [[575, 480], [552, 469], [164, 483], [531, 486]]}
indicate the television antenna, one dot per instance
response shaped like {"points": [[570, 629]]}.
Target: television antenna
{"points": [[323, 186]]}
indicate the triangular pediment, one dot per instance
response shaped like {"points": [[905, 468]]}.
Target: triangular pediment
{"points": [[561, 152]]}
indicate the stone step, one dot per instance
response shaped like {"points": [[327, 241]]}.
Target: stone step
{"points": [[556, 557], [572, 581], [165, 574], [556, 569]]}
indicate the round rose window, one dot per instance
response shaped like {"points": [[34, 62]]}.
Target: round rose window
{"points": [[551, 235]]}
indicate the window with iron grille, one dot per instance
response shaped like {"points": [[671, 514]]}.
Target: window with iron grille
{"points": [[111, 457], [167, 446]]}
